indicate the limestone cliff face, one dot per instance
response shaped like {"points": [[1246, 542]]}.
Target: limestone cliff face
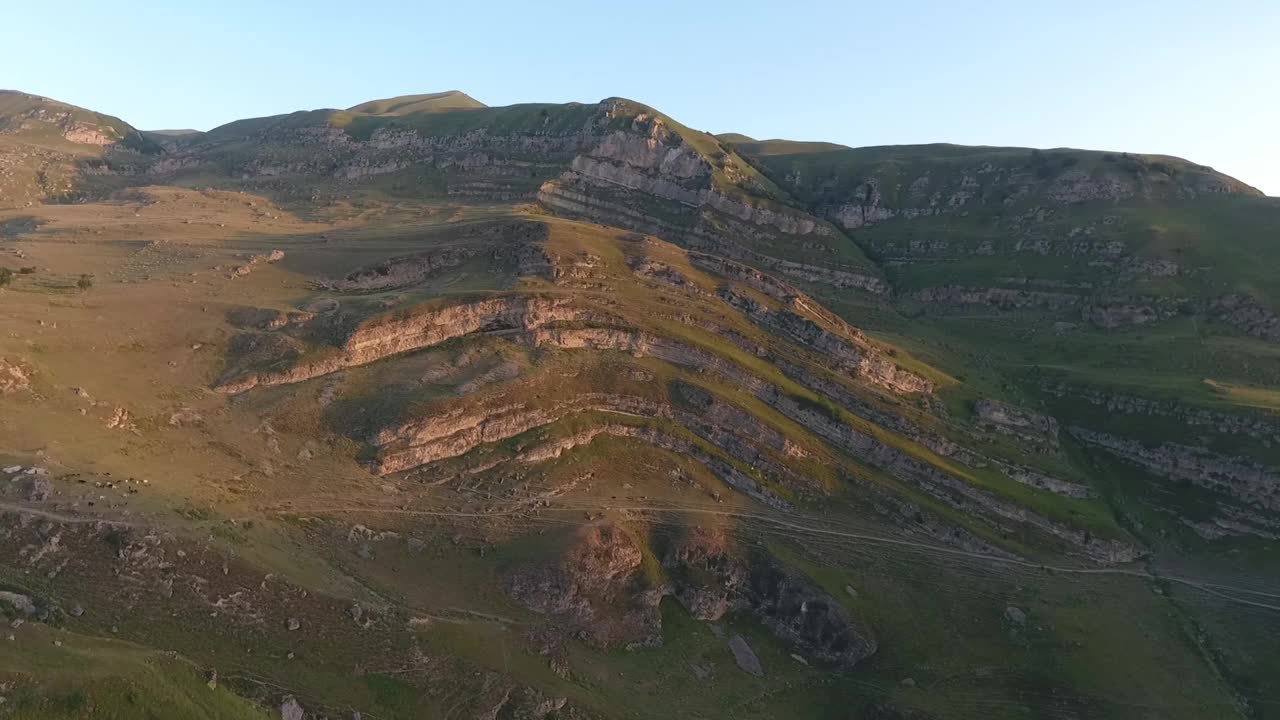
{"points": [[851, 352], [442, 436], [650, 158], [427, 440], [506, 158], [856, 188], [414, 329], [645, 175], [1249, 482], [1019, 422]]}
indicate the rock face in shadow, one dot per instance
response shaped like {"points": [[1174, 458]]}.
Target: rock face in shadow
{"points": [[711, 577], [597, 589]]}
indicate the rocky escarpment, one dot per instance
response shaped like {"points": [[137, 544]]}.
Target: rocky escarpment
{"points": [[475, 157], [866, 446], [402, 271], [1004, 298], [599, 589], [853, 354], [1117, 315], [856, 188], [412, 329], [646, 154], [645, 175], [1018, 422], [1249, 482], [1247, 315], [1256, 425], [517, 245], [734, 433], [712, 577], [449, 435], [454, 433]]}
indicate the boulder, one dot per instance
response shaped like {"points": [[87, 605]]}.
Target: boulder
{"points": [[745, 656], [291, 710]]}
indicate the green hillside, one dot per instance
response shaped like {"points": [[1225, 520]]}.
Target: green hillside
{"points": [[429, 102], [424, 408]]}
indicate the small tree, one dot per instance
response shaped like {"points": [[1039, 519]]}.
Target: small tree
{"points": [[85, 282], [6, 276]]}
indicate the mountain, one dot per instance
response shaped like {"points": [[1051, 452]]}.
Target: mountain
{"points": [[49, 149], [428, 408]]}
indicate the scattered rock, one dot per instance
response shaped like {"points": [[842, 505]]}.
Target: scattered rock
{"points": [[712, 575], [13, 377], [119, 420], [212, 679], [1015, 615], [293, 624], [19, 602], [291, 710], [745, 656], [184, 416], [39, 488]]}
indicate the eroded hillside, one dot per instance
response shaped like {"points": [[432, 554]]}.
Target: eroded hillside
{"points": [[429, 407]]}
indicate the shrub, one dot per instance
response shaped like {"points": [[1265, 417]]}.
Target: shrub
{"points": [[85, 282], [6, 276]]}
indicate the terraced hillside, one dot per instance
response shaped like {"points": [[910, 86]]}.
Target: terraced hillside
{"points": [[427, 408]]}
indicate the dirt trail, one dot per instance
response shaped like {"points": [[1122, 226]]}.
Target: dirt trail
{"points": [[782, 520], [59, 517]]}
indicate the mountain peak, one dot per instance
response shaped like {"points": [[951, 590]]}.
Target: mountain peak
{"points": [[428, 102]]}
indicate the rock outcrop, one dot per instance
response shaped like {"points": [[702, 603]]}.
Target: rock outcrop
{"points": [[413, 329], [1249, 482], [597, 588], [14, 376], [1019, 422], [711, 576]]}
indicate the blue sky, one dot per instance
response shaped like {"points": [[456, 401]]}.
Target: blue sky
{"points": [[1195, 79]]}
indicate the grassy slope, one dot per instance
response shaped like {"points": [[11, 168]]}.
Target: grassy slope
{"points": [[17, 108], [429, 102], [56, 675]]}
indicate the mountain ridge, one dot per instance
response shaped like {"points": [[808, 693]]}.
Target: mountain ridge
{"points": [[423, 406]]}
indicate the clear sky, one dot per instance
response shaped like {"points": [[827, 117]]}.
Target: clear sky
{"points": [[1196, 79]]}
